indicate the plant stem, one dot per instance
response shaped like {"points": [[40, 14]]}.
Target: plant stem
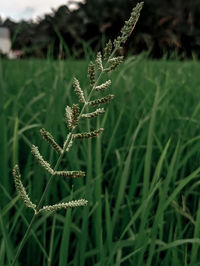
{"points": [[26, 235]]}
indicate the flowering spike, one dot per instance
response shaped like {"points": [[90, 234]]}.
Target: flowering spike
{"points": [[64, 205], [91, 73], [75, 115], [72, 115], [49, 138], [129, 26], [87, 135], [103, 100], [99, 61], [99, 111], [21, 189], [115, 62], [40, 159], [78, 90], [108, 50], [68, 116], [72, 174], [103, 86], [69, 143]]}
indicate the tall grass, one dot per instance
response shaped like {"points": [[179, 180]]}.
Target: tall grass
{"points": [[142, 175]]}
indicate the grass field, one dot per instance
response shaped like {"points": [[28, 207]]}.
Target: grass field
{"points": [[143, 173]]}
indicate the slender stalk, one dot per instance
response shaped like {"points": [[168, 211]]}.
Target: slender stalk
{"points": [[51, 241], [26, 235]]}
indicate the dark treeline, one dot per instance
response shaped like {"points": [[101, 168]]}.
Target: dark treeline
{"points": [[165, 27]]}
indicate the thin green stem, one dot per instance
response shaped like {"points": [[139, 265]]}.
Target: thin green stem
{"points": [[51, 241], [26, 235]]}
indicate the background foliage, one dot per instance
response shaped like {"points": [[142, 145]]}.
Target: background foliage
{"points": [[142, 179], [166, 26]]}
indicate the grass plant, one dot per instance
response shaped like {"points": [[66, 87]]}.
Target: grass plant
{"points": [[73, 116]]}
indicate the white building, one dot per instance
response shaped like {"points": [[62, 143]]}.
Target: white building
{"points": [[5, 42]]}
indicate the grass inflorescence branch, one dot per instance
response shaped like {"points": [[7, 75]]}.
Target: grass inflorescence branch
{"points": [[21, 189], [49, 138], [102, 65]]}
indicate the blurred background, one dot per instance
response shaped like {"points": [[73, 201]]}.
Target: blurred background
{"points": [[60, 28]]}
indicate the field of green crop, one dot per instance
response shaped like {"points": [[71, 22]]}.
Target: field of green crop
{"points": [[143, 173]]}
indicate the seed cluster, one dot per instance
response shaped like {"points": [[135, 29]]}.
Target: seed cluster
{"points": [[20, 188], [97, 112], [102, 100], [49, 138], [91, 73], [87, 135], [129, 26], [64, 205], [78, 90]]}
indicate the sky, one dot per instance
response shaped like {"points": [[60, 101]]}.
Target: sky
{"points": [[28, 9]]}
